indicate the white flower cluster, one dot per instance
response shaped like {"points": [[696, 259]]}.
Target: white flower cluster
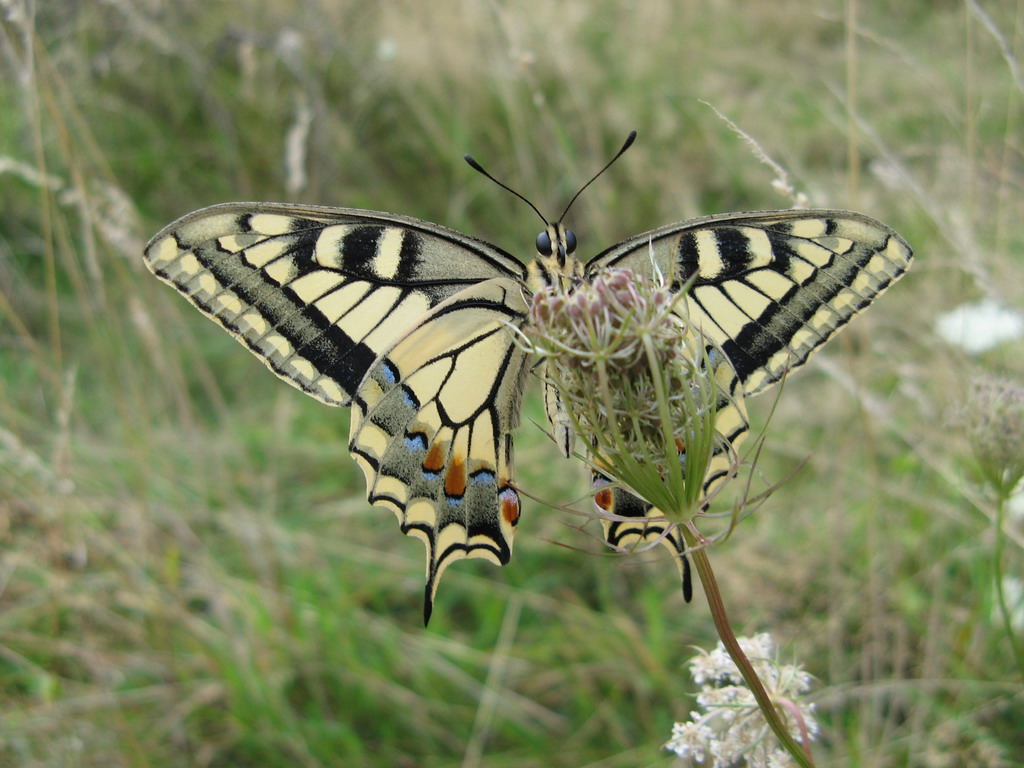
{"points": [[728, 730]]}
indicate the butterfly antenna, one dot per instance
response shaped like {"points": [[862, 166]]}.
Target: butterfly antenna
{"points": [[628, 143], [480, 169]]}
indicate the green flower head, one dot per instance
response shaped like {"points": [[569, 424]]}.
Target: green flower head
{"points": [[642, 387]]}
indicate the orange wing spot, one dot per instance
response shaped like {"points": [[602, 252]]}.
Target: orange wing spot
{"points": [[680, 445], [509, 501], [455, 480], [605, 499], [435, 459]]}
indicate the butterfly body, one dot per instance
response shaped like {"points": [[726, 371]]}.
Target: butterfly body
{"points": [[415, 327]]}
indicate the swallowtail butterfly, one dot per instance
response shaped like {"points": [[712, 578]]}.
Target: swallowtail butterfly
{"points": [[412, 324]]}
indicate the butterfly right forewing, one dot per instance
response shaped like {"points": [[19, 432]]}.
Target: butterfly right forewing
{"points": [[769, 287]]}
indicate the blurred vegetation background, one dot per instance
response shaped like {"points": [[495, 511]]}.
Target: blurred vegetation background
{"points": [[189, 572]]}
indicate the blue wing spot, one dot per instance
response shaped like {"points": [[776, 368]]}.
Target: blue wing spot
{"points": [[389, 371], [484, 476], [416, 441], [410, 398]]}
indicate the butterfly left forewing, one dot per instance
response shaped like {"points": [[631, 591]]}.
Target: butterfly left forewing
{"points": [[431, 427], [769, 287], [318, 293]]}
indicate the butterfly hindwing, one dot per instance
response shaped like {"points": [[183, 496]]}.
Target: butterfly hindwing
{"points": [[631, 523], [431, 427], [769, 286], [318, 293]]}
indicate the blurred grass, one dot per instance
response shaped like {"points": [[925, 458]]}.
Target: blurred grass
{"points": [[190, 575]]}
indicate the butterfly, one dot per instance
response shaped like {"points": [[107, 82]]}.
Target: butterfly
{"points": [[414, 325]]}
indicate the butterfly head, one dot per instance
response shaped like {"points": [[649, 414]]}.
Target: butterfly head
{"points": [[555, 263], [556, 242]]}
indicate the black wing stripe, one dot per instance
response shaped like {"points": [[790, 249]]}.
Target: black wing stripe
{"points": [[332, 352], [327, 347]]}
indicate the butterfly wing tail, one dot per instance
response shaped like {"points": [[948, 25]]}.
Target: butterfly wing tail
{"points": [[631, 524]]}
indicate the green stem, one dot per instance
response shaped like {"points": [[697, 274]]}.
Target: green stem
{"points": [[670, 457], [1004, 609], [802, 755]]}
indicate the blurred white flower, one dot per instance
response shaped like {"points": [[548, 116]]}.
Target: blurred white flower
{"points": [[1013, 591], [980, 326], [387, 49], [1015, 508]]}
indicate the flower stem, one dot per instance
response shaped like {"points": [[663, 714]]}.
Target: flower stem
{"points": [[1004, 609], [801, 754]]}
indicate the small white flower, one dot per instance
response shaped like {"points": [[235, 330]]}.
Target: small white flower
{"points": [[387, 49], [690, 742], [727, 724]]}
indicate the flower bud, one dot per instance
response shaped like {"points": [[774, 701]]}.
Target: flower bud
{"points": [[993, 419]]}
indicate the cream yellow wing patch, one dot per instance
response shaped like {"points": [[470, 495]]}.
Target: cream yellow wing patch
{"points": [[431, 427]]}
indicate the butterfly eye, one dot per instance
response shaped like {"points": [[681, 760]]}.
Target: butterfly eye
{"points": [[570, 241], [544, 244]]}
